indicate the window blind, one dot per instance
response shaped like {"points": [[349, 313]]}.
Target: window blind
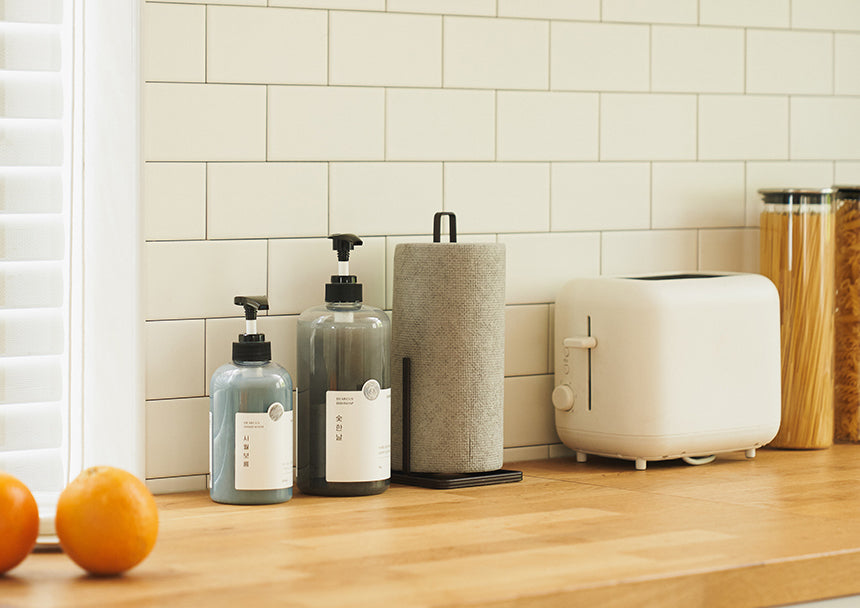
{"points": [[35, 226]]}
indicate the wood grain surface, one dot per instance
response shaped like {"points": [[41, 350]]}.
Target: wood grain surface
{"points": [[784, 527]]}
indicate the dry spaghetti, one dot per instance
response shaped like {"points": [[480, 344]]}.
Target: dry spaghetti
{"points": [[847, 317]]}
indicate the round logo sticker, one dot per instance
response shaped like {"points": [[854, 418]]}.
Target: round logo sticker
{"points": [[276, 410], [370, 390]]}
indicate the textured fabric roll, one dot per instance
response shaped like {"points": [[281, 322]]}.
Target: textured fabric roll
{"points": [[449, 318]]}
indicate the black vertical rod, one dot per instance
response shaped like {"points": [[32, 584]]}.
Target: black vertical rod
{"points": [[406, 413]]}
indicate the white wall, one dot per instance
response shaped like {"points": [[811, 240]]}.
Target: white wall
{"points": [[591, 137]]}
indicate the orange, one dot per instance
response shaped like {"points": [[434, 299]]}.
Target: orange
{"points": [[19, 522], [107, 521]]}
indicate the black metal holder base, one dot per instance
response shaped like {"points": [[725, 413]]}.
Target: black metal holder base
{"points": [[454, 481]]}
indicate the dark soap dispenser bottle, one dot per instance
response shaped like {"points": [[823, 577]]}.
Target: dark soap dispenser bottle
{"points": [[344, 389], [251, 421]]}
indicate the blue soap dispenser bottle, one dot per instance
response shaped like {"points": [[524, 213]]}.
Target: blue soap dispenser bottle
{"points": [[251, 421], [344, 389]]}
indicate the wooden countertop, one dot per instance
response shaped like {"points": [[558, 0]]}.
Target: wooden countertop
{"points": [[784, 527]]}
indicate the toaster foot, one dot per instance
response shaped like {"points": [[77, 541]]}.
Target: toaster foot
{"points": [[750, 453], [641, 463], [581, 457]]}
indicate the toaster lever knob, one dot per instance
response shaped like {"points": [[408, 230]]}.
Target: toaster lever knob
{"points": [[580, 342], [563, 398]]}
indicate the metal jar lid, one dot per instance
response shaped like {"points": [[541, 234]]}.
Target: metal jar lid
{"points": [[852, 192], [796, 196]]}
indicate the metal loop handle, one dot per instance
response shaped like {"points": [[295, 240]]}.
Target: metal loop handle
{"points": [[437, 226]]}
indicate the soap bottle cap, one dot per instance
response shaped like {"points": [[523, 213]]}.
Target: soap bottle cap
{"points": [[344, 287], [252, 346]]}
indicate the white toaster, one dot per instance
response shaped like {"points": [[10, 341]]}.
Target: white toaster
{"points": [[670, 366]]}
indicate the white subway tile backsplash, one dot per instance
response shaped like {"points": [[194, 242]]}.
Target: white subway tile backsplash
{"points": [[432, 124], [529, 414], [204, 122], [238, 2], [174, 359], [649, 251], [847, 173], [496, 53], [499, 197], [194, 279], [522, 454], [749, 13], [687, 195], [647, 127], [789, 62], [825, 14], [537, 265], [447, 7], [526, 340], [177, 437], [174, 201], [385, 49], [300, 268], [847, 59], [697, 59], [601, 196], [266, 45], [743, 127], [782, 175], [586, 10], [600, 57], [325, 123], [174, 42], [353, 5], [547, 126], [174, 485], [252, 200], [825, 127], [384, 198], [652, 11], [729, 250]]}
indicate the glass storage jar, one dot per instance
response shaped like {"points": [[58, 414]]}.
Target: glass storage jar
{"points": [[847, 316], [797, 254]]}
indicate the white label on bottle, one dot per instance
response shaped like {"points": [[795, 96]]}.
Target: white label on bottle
{"points": [[358, 434], [264, 449]]}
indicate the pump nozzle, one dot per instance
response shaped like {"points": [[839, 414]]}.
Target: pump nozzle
{"points": [[343, 244], [252, 304]]}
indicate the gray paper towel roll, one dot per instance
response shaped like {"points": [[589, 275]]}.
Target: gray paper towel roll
{"points": [[449, 318]]}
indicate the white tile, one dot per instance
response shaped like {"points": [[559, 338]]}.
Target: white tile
{"points": [[782, 175], [551, 339], [204, 122], [424, 124], [177, 437], [255, 200], [588, 10], [496, 53], [816, 120], [547, 126], [789, 62], [355, 5], [176, 485], [559, 450], [241, 2], [326, 123], [174, 201], [846, 62], [749, 13], [499, 197], [601, 196], [174, 42], [649, 251], [391, 243], [825, 14], [174, 359], [599, 56], [529, 414], [743, 127], [847, 173], [446, 7], [537, 265], [385, 49], [526, 453], [652, 11], [526, 340], [266, 45], [729, 250], [697, 59], [384, 198], [196, 279], [221, 333], [690, 195], [647, 127], [300, 268]]}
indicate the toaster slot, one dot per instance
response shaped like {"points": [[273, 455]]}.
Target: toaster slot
{"points": [[589, 365]]}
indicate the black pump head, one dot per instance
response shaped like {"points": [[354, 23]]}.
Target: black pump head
{"points": [[252, 304], [343, 244]]}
